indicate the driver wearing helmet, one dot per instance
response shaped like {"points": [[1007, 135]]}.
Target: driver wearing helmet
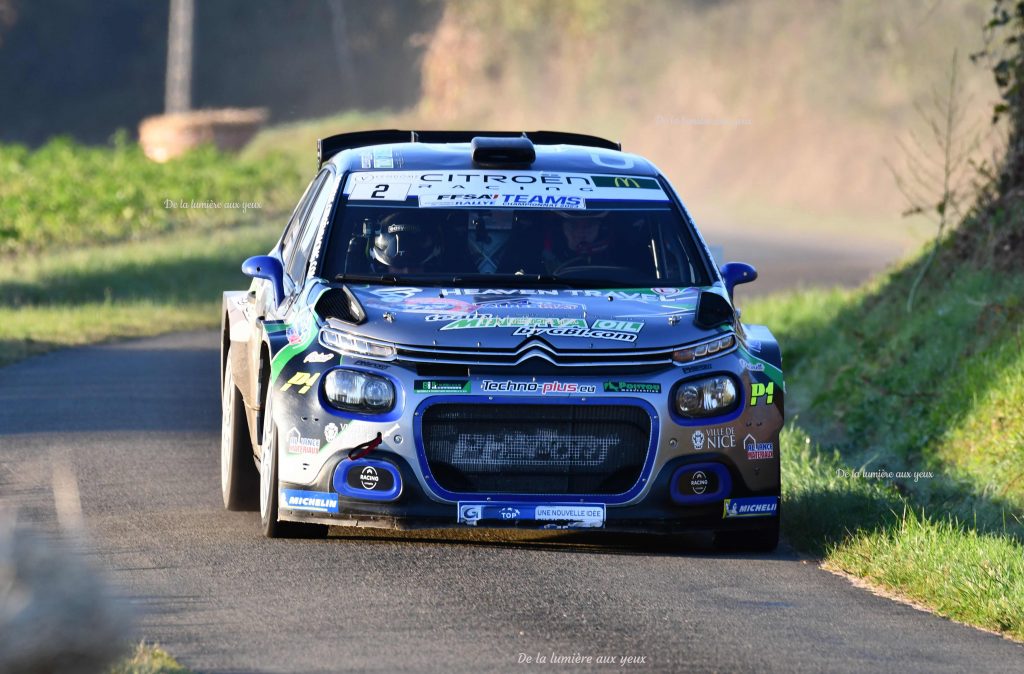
{"points": [[582, 238], [406, 244]]}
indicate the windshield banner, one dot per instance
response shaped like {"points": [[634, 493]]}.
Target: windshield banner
{"points": [[500, 189]]}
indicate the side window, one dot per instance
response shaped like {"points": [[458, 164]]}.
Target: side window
{"points": [[296, 263], [291, 232]]}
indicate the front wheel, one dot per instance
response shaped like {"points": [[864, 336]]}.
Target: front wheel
{"points": [[239, 480], [269, 490]]}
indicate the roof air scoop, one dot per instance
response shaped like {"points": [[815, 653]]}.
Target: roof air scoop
{"points": [[497, 152]]}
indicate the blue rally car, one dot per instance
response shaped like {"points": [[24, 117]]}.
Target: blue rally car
{"points": [[497, 329]]}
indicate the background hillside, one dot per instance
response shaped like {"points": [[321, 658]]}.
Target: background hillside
{"points": [[758, 105]]}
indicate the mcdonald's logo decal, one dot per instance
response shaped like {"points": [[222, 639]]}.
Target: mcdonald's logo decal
{"points": [[625, 181]]}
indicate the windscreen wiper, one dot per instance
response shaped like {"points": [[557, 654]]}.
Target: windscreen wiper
{"points": [[368, 278], [530, 279]]}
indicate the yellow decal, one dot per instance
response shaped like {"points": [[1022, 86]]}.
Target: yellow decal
{"points": [[303, 380], [766, 391]]}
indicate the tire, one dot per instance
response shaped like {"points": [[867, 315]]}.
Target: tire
{"points": [[269, 490], [239, 479]]}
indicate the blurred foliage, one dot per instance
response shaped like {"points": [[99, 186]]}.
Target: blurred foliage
{"points": [[993, 233], [67, 194]]}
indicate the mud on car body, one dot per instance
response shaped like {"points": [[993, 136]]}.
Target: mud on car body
{"points": [[474, 329]]}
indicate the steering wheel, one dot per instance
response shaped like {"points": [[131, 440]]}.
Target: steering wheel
{"points": [[570, 269]]}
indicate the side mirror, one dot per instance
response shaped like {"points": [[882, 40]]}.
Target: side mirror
{"points": [[269, 268], [735, 273]]}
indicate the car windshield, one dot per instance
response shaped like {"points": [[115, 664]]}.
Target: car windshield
{"points": [[608, 243]]}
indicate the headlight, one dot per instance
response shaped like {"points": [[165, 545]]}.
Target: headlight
{"points": [[704, 349], [346, 343], [707, 397], [359, 391]]}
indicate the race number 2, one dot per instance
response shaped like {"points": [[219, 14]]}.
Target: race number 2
{"points": [[379, 191]]}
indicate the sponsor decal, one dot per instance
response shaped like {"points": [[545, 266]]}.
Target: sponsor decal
{"points": [[646, 295], [697, 368], [478, 200], [530, 326], [556, 201], [431, 184], [755, 363], [302, 380], [759, 391], [543, 447], [571, 514], [426, 305], [442, 386], [715, 438], [368, 477], [753, 367], [761, 506], [314, 501], [626, 181], [317, 357], [369, 363], [395, 294], [300, 445], [298, 332], [483, 292], [758, 450], [528, 303], [630, 387], [698, 482], [331, 432], [491, 386]]}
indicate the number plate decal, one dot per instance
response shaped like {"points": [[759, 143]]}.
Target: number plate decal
{"points": [[545, 515]]}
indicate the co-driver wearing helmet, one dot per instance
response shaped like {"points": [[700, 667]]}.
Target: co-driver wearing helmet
{"points": [[406, 243]]}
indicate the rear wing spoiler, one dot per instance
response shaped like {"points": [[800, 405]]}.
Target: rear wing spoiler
{"points": [[332, 145]]}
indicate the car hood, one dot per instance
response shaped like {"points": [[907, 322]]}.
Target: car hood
{"points": [[503, 318]]}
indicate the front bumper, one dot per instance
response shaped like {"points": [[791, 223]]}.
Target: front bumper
{"points": [[413, 508], [738, 454]]}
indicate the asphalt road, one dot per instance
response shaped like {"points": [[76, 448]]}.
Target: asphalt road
{"points": [[137, 423]]}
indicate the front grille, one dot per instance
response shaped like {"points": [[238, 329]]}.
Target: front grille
{"points": [[535, 349], [536, 449]]}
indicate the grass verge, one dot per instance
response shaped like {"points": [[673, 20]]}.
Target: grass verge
{"points": [[130, 289], [66, 194], [904, 465], [149, 659]]}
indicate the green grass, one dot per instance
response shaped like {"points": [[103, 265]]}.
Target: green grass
{"points": [[862, 525], [65, 194], [147, 659], [936, 395], [973, 577], [130, 289]]}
